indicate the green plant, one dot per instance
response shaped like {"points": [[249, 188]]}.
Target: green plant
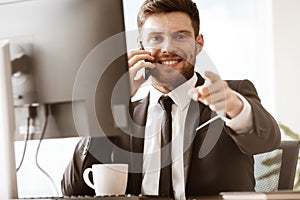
{"points": [[295, 136]]}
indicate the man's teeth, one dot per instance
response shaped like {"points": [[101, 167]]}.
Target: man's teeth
{"points": [[172, 62]]}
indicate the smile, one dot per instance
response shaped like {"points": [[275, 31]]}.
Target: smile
{"points": [[169, 62]]}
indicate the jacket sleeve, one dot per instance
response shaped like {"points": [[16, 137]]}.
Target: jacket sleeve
{"points": [[87, 152], [265, 135]]}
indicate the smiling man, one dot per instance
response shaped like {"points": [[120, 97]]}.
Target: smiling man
{"points": [[169, 29], [174, 49]]}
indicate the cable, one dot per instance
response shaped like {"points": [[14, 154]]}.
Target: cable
{"points": [[38, 148], [32, 113], [25, 145]]}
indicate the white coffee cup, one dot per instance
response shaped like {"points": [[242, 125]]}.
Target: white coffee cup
{"points": [[109, 179]]}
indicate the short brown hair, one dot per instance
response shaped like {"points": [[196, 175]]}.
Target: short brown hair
{"points": [[150, 7]]}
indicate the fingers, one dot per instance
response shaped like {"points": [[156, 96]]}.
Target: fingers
{"points": [[218, 106], [214, 94], [218, 96], [133, 53], [141, 55], [213, 77], [214, 87], [214, 98], [137, 61], [135, 57]]}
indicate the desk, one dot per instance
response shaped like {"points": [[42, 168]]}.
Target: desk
{"points": [[126, 198], [277, 195]]}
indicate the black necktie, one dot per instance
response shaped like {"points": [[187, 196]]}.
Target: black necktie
{"points": [[165, 179]]}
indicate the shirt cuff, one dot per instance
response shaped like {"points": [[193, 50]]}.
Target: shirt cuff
{"points": [[243, 122]]}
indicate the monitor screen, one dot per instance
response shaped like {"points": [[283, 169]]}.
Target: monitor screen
{"points": [[71, 56]]}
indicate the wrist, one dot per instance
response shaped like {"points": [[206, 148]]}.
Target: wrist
{"points": [[235, 108]]}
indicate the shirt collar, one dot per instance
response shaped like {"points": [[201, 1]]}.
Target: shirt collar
{"points": [[179, 95]]}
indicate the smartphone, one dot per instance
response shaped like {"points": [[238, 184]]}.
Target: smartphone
{"points": [[147, 70]]}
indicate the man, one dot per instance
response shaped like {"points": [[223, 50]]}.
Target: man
{"points": [[217, 157]]}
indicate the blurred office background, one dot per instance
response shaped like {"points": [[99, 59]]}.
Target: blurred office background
{"points": [[249, 39]]}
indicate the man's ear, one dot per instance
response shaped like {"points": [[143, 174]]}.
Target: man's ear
{"points": [[199, 43]]}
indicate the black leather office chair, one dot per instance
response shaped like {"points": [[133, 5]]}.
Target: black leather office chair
{"points": [[276, 170]]}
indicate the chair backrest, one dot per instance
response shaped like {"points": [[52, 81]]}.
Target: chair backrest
{"points": [[289, 162], [276, 170]]}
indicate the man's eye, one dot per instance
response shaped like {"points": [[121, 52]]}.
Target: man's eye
{"points": [[156, 38], [180, 37]]}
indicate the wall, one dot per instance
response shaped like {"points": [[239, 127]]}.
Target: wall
{"points": [[53, 157], [287, 61]]}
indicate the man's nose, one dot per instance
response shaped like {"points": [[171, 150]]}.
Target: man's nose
{"points": [[168, 46]]}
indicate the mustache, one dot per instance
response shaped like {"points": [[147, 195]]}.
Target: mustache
{"points": [[170, 56]]}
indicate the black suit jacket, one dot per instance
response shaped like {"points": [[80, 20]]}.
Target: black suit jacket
{"points": [[216, 159]]}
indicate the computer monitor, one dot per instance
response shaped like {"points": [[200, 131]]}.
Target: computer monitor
{"points": [[74, 53], [68, 56], [8, 179]]}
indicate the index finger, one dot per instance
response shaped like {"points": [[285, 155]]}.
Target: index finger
{"points": [[154, 52], [213, 77], [138, 52]]}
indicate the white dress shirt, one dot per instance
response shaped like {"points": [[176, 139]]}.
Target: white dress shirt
{"points": [[151, 160]]}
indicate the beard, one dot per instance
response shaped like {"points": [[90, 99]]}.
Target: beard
{"points": [[171, 77]]}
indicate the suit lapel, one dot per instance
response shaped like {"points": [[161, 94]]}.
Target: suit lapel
{"points": [[192, 121], [139, 117], [137, 144], [191, 124]]}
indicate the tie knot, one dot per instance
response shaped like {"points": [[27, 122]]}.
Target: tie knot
{"points": [[166, 103]]}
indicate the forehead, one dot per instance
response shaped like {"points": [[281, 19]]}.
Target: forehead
{"points": [[174, 21]]}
